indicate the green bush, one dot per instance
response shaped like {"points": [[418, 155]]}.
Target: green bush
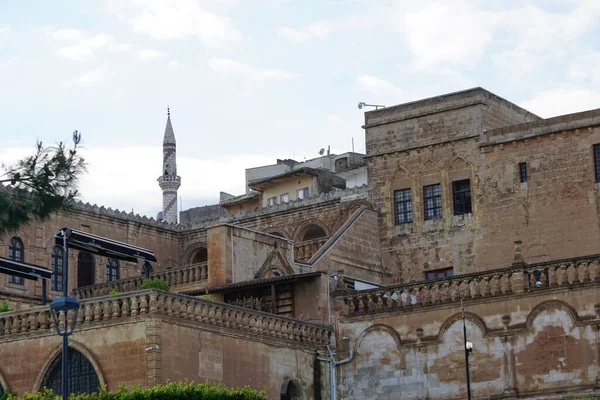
{"points": [[155, 283], [170, 391], [4, 307], [113, 292]]}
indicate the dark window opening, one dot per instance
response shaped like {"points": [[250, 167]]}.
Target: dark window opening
{"points": [[85, 269], [16, 251], [201, 256], [314, 232], [403, 206], [57, 268], [462, 197], [147, 269], [112, 270], [82, 375], [523, 172], [597, 161], [432, 201], [439, 274]]}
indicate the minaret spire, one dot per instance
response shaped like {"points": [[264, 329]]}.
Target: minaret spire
{"points": [[169, 181]]}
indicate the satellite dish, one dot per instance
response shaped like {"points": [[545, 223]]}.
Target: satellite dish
{"points": [[159, 216]]}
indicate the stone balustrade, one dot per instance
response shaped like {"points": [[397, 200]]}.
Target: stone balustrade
{"points": [[303, 251], [179, 276], [486, 284], [156, 302]]}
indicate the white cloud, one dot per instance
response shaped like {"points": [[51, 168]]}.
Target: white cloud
{"points": [[7, 63], [177, 19], [173, 64], [377, 86], [586, 67], [4, 30], [562, 101], [318, 29], [89, 78], [447, 32], [228, 66], [82, 45], [150, 54]]}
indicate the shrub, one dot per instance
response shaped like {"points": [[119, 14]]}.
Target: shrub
{"points": [[113, 291], [170, 391], [4, 307], [155, 283]]}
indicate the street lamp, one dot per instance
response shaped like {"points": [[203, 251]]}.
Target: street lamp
{"points": [[468, 346], [64, 304]]}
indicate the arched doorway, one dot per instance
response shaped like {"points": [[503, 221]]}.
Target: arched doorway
{"points": [[85, 269], [313, 232], [290, 390], [83, 378], [201, 256]]}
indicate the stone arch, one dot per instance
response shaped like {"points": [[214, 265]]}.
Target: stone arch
{"points": [[551, 304], [291, 389], [193, 251], [536, 251], [457, 163], [169, 263], [55, 352], [276, 232], [355, 205], [302, 229], [429, 166], [378, 328], [474, 318], [3, 384]]}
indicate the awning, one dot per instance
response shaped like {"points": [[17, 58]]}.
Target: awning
{"points": [[24, 270], [102, 246]]}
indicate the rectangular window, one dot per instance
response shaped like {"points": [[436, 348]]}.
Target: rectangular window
{"points": [[271, 201], [523, 172], [439, 274], [597, 161], [461, 191], [432, 201], [284, 198], [302, 193], [403, 206]]}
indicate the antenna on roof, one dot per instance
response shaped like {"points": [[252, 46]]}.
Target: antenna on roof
{"points": [[363, 104]]}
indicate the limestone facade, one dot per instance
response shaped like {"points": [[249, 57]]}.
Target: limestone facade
{"points": [[467, 194]]}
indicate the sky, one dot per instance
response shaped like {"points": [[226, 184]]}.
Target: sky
{"points": [[250, 81]]}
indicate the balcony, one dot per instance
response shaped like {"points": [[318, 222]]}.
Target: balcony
{"points": [[303, 251], [132, 306], [515, 280], [187, 277]]}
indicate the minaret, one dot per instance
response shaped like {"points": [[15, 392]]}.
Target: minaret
{"points": [[169, 182]]}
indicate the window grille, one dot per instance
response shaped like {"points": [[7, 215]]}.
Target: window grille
{"points": [[597, 161], [439, 273], [523, 172], [16, 251], [462, 197], [403, 206], [112, 270], [82, 375], [432, 201], [57, 268]]}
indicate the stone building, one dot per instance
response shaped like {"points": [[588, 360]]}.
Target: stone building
{"points": [[351, 292]]}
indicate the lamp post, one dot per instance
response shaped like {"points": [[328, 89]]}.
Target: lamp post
{"points": [[468, 346], [65, 304]]}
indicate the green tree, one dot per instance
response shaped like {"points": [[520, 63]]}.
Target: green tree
{"points": [[41, 184]]}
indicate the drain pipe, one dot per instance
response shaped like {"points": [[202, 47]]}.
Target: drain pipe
{"points": [[333, 364]]}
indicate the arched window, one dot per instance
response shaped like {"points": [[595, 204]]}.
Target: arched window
{"points": [[314, 232], [16, 252], [200, 256], [57, 268], [82, 375], [147, 269], [112, 270], [290, 390], [85, 269], [1, 390]]}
